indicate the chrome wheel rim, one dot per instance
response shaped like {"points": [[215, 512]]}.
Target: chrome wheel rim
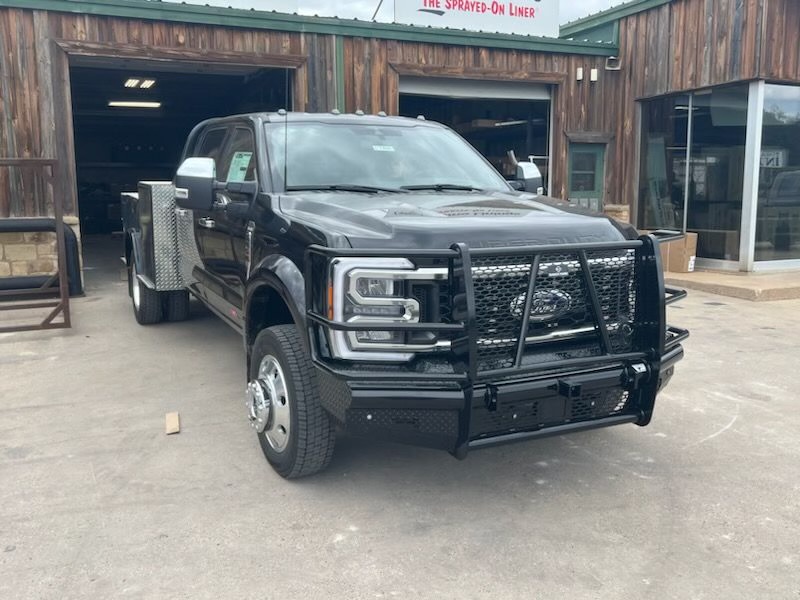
{"points": [[272, 413], [136, 290]]}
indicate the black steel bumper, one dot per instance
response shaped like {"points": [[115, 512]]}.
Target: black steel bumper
{"points": [[471, 408], [460, 419]]}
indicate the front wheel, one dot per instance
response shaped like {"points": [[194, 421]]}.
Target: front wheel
{"points": [[295, 433]]}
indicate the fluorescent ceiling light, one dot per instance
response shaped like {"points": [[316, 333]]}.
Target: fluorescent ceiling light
{"points": [[133, 104], [509, 123], [140, 82]]}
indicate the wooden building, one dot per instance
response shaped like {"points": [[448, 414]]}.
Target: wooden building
{"points": [[600, 109]]}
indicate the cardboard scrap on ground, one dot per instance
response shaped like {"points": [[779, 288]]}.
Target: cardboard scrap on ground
{"points": [[173, 424]]}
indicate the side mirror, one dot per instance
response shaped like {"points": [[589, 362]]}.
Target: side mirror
{"points": [[530, 177], [194, 183]]}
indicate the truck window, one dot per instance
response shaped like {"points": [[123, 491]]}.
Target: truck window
{"points": [[211, 144], [238, 162], [393, 156]]}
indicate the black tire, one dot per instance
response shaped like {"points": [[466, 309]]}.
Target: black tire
{"points": [[312, 436], [176, 305], [148, 310]]}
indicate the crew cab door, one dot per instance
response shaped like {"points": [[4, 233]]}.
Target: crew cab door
{"points": [[221, 232]]}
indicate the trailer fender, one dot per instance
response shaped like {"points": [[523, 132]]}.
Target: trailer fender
{"points": [[134, 255]]}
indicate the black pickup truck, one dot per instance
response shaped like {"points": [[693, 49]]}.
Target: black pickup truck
{"points": [[388, 281]]}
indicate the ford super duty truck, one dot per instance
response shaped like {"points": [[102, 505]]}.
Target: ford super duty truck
{"points": [[387, 280]]}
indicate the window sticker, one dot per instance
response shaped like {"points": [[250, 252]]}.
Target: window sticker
{"points": [[240, 163], [383, 148]]}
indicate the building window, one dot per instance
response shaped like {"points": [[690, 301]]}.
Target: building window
{"points": [[665, 128], [778, 220], [586, 175], [692, 167]]}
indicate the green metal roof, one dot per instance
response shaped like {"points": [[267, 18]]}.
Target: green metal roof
{"points": [[253, 19], [587, 25]]}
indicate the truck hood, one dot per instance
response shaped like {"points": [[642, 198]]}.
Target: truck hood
{"points": [[440, 219]]}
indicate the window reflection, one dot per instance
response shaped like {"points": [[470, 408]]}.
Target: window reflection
{"points": [[778, 220], [664, 134], [716, 180], [713, 174]]}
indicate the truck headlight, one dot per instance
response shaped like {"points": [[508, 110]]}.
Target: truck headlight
{"points": [[370, 287], [374, 290]]}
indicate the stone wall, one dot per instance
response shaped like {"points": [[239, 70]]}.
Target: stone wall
{"points": [[32, 253], [28, 254]]}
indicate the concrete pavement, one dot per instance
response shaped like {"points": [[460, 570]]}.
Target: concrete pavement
{"points": [[96, 502]]}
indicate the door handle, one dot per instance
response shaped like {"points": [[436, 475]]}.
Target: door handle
{"points": [[206, 222]]}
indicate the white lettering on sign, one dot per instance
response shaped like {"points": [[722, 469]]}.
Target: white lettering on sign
{"points": [[522, 17], [281, 6]]}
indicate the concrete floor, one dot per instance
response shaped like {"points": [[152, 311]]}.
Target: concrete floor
{"points": [[96, 502]]}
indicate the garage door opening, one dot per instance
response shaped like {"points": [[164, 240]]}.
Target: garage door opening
{"points": [[131, 120], [495, 117]]}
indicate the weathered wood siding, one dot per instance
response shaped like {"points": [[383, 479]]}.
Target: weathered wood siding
{"points": [[690, 44], [780, 52], [35, 101], [24, 127]]}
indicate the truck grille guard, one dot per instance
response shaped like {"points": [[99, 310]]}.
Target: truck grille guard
{"points": [[610, 294]]}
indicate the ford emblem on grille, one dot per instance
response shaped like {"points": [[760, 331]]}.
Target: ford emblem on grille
{"points": [[546, 306]]}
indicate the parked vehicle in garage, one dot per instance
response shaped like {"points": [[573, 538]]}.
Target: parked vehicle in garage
{"points": [[386, 279]]}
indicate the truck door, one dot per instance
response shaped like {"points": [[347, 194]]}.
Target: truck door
{"points": [[221, 233]]}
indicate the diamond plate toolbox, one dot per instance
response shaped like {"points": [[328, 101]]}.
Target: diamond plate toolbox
{"points": [[164, 233]]}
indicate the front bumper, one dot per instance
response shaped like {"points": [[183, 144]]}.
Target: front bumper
{"points": [[458, 419], [496, 385]]}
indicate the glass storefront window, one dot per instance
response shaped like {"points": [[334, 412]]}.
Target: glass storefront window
{"points": [[662, 181], [778, 216], [716, 171], [707, 185]]}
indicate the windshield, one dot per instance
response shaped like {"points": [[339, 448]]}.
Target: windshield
{"points": [[349, 156]]}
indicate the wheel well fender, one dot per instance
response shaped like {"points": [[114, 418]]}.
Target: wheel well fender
{"points": [[275, 295], [133, 250]]}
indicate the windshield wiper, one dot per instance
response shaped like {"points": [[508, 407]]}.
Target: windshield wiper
{"points": [[344, 187], [440, 187]]}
